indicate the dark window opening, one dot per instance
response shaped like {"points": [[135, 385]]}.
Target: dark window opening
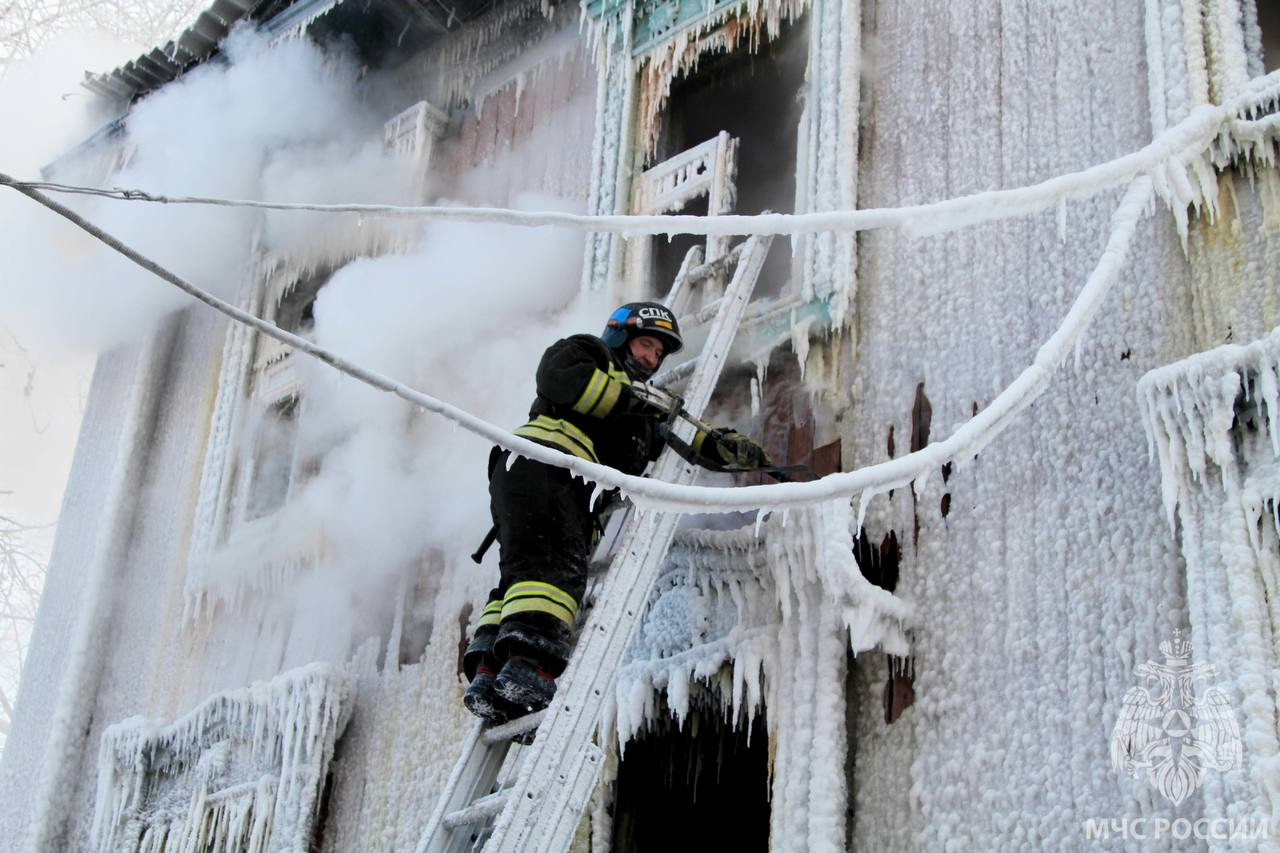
{"points": [[296, 311], [707, 782], [1269, 23], [755, 96]]}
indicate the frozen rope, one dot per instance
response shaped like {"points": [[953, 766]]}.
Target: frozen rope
{"points": [[966, 441], [1170, 152]]}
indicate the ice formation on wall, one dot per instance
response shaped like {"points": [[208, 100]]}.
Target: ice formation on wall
{"points": [[464, 57], [243, 771], [721, 31], [727, 597], [1212, 420], [1194, 409], [398, 749]]}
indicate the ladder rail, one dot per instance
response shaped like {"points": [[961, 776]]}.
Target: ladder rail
{"points": [[474, 773], [552, 788]]}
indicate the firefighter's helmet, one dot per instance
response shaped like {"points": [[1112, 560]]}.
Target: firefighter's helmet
{"points": [[643, 318]]}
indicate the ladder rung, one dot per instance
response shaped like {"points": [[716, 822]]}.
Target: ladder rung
{"points": [[481, 809], [515, 727]]}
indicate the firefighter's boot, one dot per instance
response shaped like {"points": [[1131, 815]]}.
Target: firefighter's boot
{"points": [[481, 667], [524, 683]]}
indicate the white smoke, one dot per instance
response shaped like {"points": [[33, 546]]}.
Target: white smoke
{"points": [[463, 313], [271, 121], [465, 317]]}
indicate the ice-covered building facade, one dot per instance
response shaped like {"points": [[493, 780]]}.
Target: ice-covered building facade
{"points": [[226, 660]]}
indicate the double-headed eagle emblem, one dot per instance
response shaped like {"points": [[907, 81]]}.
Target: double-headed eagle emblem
{"points": [[1169, 732]]}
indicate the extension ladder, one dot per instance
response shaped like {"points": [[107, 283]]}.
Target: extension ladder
{"points": [[541, 806]]}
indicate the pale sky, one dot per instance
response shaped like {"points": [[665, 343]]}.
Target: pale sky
{"points": [[42, 385]]}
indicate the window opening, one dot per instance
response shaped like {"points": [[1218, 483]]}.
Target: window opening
{"points": [[691, 777], [273, 449], [755, 97], [274, 462]]}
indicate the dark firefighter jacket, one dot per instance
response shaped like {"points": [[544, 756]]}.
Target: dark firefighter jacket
{"points": [[585, 408]]}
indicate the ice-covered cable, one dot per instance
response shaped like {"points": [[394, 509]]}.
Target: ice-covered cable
{"points": [[1170, 151], [965, 441]]}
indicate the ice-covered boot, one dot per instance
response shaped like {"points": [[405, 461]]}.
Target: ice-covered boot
{"points": [[481, 666], [482, 700], [525, 684]]}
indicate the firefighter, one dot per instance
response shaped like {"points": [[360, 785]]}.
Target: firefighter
{"points": [[542, 514]]}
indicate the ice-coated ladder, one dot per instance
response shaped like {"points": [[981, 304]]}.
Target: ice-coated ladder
{"points": [[542, 805]]}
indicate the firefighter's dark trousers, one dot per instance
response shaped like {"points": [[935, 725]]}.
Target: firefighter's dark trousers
{"points": [[544, 522]]}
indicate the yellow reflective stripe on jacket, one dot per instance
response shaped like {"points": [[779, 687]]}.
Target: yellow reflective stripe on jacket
{"points": [[601, 394], [539, 597], [562, 434], [595, 387], [492, 613]]}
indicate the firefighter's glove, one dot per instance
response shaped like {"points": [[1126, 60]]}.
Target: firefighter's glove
{"points": [[740, 451]]}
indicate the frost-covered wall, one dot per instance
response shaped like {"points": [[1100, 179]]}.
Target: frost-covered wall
{"points": [[44, 759], [1042, 572]]}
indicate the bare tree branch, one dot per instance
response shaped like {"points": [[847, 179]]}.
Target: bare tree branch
{"points": [[21, 581], [27, 24]]}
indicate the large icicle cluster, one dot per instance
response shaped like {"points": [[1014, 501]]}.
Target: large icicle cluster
{"points": [[242, 771], [485, 45], [1212, 420], [717, 615], [1192, 410]]}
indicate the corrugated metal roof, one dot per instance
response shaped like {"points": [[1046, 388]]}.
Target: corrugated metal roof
{"points": [[164, 64]]}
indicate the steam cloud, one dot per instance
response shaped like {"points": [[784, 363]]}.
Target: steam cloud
{"points": [[464, 312]]}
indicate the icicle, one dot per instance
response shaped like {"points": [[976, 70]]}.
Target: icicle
{"points": [[1062, 220], [292, 722], [755, 397], [863, 502], [921, 481], [800, 342]]}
